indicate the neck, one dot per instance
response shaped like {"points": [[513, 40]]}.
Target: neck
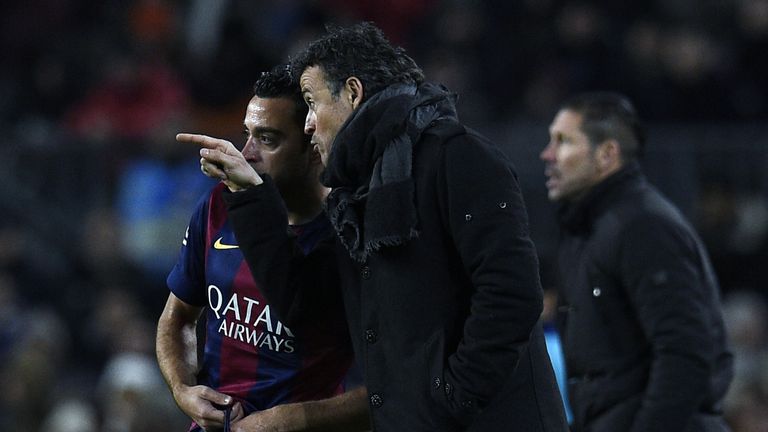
{"points": [[610, 170], [304, 203]]}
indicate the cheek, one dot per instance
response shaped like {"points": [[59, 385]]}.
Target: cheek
{"points": [[321, 121], [330, 121], [569, 159], [567, 162]]}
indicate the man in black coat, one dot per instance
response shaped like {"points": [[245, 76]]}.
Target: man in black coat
{"points": [[439, 275], [641, 318]]}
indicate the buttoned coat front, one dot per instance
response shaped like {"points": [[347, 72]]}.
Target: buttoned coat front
{"points": [[446, 324]]}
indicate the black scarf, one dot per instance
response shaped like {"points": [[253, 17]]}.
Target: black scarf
{"points": [[369, 169]]}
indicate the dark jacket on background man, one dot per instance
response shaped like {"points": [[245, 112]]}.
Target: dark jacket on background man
{"points": [[641, 318], [439, 275]]}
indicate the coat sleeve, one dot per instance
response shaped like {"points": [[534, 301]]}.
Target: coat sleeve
{"points": [[296, 285], [659, 264], [488, 223]]}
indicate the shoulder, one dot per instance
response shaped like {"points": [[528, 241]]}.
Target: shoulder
{"points": [[217, 191], [646, 221], [451, 133], [212, 203], [465, 147], [644, 206]]}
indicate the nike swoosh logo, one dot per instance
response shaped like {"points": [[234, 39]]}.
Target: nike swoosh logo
{"points": [[221, 246]]}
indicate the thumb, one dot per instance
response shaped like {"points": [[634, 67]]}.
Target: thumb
{"points": [[237, 412]]}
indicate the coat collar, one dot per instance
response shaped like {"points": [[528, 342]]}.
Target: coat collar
{"points": [[580, 215]]}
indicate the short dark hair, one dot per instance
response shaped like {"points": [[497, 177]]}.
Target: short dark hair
{"points": [[362, 51], [609, 115], [281, 83]]}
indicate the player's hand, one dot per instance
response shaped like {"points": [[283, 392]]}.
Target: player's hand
{"points": [[220, 159], [201, 404], [281, 418]]}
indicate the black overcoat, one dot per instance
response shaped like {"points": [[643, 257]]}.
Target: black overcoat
{"points": [[640, 314]]}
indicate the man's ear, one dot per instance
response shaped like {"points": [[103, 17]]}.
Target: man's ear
{"points": [[354, 92], [609, 156]]}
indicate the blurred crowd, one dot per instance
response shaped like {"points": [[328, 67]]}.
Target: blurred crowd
{"points": [[96, 193]]}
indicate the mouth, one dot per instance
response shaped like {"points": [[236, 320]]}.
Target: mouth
{"points": [[552, 177], [551, 184]]}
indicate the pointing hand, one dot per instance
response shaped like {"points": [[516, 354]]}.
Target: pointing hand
{"points": [[220, 159]]}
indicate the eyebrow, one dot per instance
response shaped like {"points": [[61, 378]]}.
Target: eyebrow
{"points": [[556, 135], [267, 130]]}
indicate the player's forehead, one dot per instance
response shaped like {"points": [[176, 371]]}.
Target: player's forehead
{"points": [[274, 112]]}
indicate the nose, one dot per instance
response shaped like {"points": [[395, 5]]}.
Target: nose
{"points": [[310, 123], [251, 151], [548, 154]]}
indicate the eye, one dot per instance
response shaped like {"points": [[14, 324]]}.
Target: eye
{"points": [[268, 140], [309, 101]]}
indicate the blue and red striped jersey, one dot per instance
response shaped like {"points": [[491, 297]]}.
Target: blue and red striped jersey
{"points": [[249, 353]]}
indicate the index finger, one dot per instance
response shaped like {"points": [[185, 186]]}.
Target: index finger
{"points": [[202, 140]]}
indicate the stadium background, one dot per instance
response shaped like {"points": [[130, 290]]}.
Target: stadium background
{"points": [[96, 194]]}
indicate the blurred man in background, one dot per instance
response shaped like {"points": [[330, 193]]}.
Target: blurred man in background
{"points": [[255, 368], [641, 319]]}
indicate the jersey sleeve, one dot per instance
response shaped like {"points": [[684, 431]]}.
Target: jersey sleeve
{"points": [[187, 278]]}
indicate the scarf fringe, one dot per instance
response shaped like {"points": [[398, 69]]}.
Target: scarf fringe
{"points": [[375, 245]]}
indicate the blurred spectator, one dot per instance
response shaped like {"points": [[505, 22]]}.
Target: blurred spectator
{"points": [[115, 323], [134, 99], [71, 415], [10, 325], [154, 193], [134, 398], [31, 371], [746, 320], [734, 225]]}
